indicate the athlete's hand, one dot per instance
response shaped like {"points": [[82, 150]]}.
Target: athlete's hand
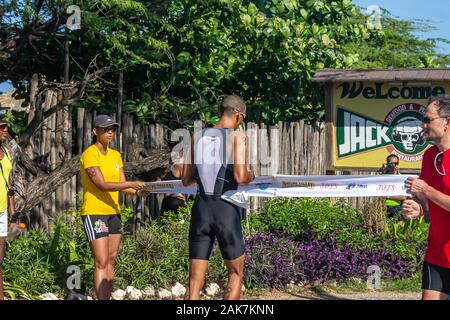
{"points": [[411, 209], [416, 186]]}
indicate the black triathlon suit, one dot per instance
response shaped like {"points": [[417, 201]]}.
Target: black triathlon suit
{"points": [[213, 217]]}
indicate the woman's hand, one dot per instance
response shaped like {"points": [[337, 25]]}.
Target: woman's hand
{"points": [[136, 184]]}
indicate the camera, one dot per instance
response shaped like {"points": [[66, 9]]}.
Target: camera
{"points": [[390, 166]]}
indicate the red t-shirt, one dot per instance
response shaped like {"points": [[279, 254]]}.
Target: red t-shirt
{"points": [[438, 249]]}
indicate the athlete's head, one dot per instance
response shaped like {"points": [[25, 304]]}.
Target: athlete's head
{"points": [[436, 120], [104, 129], [233, 107]]}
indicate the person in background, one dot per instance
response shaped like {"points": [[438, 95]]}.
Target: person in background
{"points": [[6, 197], [393, 203], [173, 201]]}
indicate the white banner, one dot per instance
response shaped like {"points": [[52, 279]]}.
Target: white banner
{"points": [[304, 186]]}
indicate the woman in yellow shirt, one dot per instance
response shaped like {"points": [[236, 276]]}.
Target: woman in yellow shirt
{"points": [[6, 196], [102, 176]]}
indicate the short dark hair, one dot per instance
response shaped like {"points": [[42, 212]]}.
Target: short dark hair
{"points": [[232, 104], [392, 156], [443, 104]]}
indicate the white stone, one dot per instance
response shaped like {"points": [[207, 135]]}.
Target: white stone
{"points": [[149, 291], [212, 289], [164, 294], [119, 294], [48, 296], [133, 293], [291, 285], [178, 290]]}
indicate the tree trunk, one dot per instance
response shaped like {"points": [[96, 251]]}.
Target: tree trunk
{"points": [[34, 192]]}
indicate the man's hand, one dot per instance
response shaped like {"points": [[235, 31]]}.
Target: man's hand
{"points": [[417, 186], [411, 209]]}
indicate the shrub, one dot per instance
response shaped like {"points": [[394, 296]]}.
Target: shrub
{"points": [[366, 230], [27, 265], [274, 259], [296, 216], [270, 260]]}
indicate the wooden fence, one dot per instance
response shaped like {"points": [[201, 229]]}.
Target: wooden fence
{"points": [[286, 148]]}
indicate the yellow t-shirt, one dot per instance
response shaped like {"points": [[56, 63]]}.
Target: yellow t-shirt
{"points": [[6, 168], [96, 201]]}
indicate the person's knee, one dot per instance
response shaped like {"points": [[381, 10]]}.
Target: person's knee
{"points": [[112, 258], [101, 263], [235, 270], [196, 280]]}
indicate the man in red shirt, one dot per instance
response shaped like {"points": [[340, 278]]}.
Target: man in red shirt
{"points": [[432, 194]]}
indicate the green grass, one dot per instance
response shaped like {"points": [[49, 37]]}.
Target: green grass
{"points": [[411, 284], [356, 285]]}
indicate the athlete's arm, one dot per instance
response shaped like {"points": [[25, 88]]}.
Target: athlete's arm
{"points": [[96, 177], [423, 191], [131, 191], [11, 209], [188, 166], [241, 170]]}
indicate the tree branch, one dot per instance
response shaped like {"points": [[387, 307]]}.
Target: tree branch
{"points": [[43, 186]]}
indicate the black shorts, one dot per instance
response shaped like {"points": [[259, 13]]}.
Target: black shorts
{"points": [[99, 226], [213, 218], [435, 278]]}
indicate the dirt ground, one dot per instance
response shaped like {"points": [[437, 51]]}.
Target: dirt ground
{"points": [[311, 294]]}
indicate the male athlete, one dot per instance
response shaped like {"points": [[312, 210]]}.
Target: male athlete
{"points": [[220, 164]]}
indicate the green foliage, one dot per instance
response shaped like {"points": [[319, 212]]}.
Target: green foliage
{"points": [[27, 265], [126, 213], [409, 238], [342, 223], [397, 45], [156, 255], [295, 216], [15, 292], [180, 57], [180, 216], [16, 121]]}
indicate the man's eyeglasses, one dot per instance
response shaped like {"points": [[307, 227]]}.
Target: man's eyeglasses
{"points": [[427, 120]]}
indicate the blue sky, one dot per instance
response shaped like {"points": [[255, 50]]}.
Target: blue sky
{"points": [[437, 11]]}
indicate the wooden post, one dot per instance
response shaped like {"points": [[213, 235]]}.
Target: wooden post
{"points": [[119, 109]]}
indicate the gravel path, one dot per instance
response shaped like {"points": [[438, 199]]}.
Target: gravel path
{"points": [[313, 295]]}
